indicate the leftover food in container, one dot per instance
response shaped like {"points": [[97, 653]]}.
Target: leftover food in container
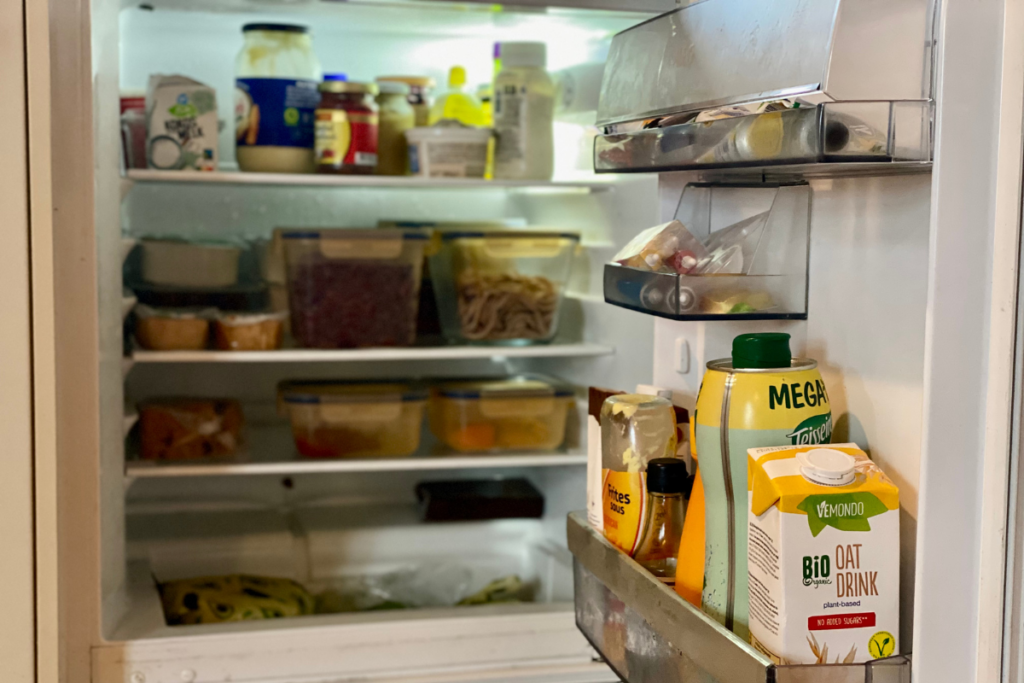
{"points": [[189, 428], [249, 331], [472, 500], [503, 286], [159, 329], [354, 288], [178, 263], [354, 420], [237, 597], [448, 151], [522, 413]]}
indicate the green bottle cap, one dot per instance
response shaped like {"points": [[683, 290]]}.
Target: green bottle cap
{"points": [[761, 351]]}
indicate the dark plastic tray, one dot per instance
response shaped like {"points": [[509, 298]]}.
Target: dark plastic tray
{"points": [[479, 499]]}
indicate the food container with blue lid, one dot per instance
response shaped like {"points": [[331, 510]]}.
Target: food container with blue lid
{"points": [[353, 288], [491, 416], [334, 419]]}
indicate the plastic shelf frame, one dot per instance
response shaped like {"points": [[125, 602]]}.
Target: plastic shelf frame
{"points": [[833, 139], [648, 634], [774, 257]]}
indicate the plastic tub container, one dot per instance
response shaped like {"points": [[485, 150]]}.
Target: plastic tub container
{"points": [[518, 414], [349, 420], [172, 329], [189, 264], [354, 288], [249, 331], [501, 287], [448, 151]]}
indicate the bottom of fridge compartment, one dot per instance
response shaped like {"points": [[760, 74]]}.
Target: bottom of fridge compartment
{"points": [[649, 634], [327, 547]]}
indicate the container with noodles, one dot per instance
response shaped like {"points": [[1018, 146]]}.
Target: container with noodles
{"points": [[501, 287]]}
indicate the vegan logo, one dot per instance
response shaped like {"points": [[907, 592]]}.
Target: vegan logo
{"points": [[812, 431], [843, 511], [882, 644]]}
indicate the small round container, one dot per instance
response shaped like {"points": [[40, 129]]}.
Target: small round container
{"points": [[448, 151], [519, 414], [353, 420], [172, 329], [346, 128], [249, 331]]}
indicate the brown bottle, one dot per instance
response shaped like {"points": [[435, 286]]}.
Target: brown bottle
{"points": [[658, 552]]}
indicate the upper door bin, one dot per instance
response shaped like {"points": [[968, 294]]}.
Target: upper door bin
{"points": [[735, 84]]}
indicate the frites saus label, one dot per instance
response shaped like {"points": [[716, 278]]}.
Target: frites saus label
{"points": [[823, 561], [624, 497]]}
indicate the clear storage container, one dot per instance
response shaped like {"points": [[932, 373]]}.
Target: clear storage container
{"points": [[352, 420], [518, 414], [354, 288], [501, 287]]}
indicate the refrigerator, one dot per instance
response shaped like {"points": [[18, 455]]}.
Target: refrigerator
{"points": [[897, 271]]}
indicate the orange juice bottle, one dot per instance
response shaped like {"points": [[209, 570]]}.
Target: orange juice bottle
{"points": [[690, 566]]}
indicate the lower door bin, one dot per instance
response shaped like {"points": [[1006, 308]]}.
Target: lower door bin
{"points": [[648, 634]]}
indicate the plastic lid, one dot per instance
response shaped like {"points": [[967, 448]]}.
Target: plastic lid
{"points": [[336, 77], [667, 475], [353, 233], [508, 234], [761, 351], [515, 387], [826, 466], [330, 391], [411, 81], [285, 28], [393, 88], [456, 77], [524, 55], [349, 87]]}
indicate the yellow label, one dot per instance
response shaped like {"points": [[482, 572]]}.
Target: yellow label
{"points": [[624, 498], [770, 400], [333, 135]]}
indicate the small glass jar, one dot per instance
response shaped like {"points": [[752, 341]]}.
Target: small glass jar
{"points": [[420, 89], [346, 128], [396, 117]]}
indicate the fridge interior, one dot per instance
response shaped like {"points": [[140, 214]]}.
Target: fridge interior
{"points": [[325, 524], [866, 303]]}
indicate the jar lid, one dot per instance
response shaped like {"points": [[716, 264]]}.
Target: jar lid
{"points": [[282, 28], [667, 475], [393, 88], [411, 81], [349, 87]]}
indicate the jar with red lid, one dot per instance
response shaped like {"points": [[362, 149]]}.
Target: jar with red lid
{"points": [[346, 127]]}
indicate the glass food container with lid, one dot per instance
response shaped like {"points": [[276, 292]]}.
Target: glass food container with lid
{"points": [[346, 127], [521, 413], [332, 419], [354, 288], [501, 287]]}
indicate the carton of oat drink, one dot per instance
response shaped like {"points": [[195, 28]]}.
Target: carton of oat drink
{"points": [[823, 555]]}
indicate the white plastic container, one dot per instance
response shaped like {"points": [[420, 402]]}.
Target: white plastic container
{"points": [[524, 114], [448, 152], [189, 264], [277, 76]]}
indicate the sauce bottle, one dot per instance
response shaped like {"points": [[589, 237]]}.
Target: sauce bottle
{"points": [[635, 429], [658, 551]]}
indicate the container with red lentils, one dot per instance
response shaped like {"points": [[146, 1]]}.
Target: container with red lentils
{"points": [[346, 127]]}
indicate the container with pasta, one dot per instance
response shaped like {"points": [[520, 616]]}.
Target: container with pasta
{"points": [[502, 287], [521, 413]]}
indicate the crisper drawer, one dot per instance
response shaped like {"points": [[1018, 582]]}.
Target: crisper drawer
{"points": [[649, 634]]}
